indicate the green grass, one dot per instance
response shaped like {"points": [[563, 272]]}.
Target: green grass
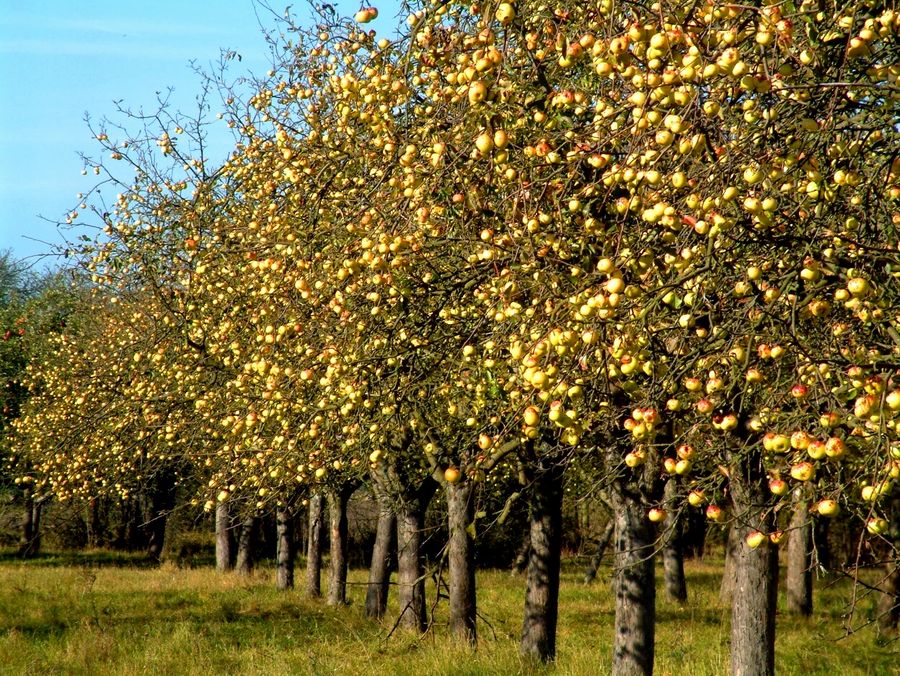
{"points": [[99, 617]]}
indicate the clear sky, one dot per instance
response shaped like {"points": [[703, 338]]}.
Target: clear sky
{"points": [[61, 59]]}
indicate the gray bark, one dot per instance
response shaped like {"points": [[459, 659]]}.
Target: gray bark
{"points": [[673, 549], [285, 549], [246, 547], [756, 570], [411, 585], [732, 546], [461, 513], [314, 546], [224, 539], [380, 567], [635, 585], [410, 565], [542, 578], [161, 501], [337, 512], [799, 579]]}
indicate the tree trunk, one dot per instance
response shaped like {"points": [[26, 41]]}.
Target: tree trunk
{"points": [[26, 541], [314, 546], [285, 548], [693, 534], [410, 574], [224, 539], [161, 503], [673, 549], [591, 573], [889, 602], [96, 522], [520, 563], [128, 535], [380, 567], [635, 585], [821, 547], [337, 512], [157, 536], [36, 521], [410, 565], [542, 578], [461, 514], [798, 580], [729, 571], [246, 548], [756, 570]]}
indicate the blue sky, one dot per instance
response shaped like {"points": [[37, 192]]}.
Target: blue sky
{"points": [[61, 59]]}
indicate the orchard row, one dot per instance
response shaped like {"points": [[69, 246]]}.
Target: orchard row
{"points": [[653, 251]]}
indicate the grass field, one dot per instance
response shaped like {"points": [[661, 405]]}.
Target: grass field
{"points": [[86, 615]]}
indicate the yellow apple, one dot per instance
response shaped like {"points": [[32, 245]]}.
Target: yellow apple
{"points": [[754, 539], [657, 514], [452, 475], [827, 507]]}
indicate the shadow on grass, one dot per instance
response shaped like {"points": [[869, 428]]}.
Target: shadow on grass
{"points": [[232, 618], [98, 559]]}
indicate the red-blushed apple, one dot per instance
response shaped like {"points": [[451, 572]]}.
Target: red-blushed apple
{"points": [[803, 471], [696, 497], [799, 391], [827, 507], [816, 449], [876, 525], [365, 15], [669, 465], [830, 419], [754, 539], [778, 486], [714, 513], [657, 514], [685, 452], [693, 384], [835, 447], [729, 422], [865, 406], [775, 537]]}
